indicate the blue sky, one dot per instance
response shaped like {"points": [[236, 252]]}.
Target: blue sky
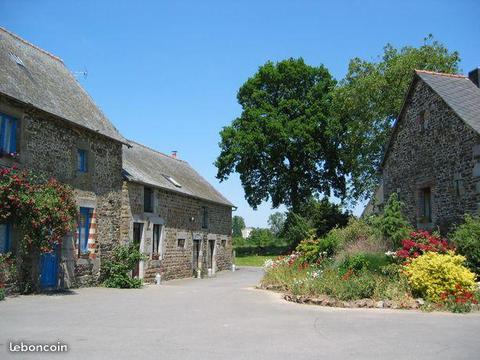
{"points": [[167, 72]]}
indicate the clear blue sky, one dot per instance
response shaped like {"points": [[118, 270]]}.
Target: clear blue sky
{"points": [[167, 72]]}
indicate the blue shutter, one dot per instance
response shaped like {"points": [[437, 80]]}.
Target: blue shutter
{"points": [[82, 160], [5, 236], [3, 124], [13, 136]]}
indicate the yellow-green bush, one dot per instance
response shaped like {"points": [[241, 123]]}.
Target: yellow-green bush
{"points": [[432, 274]]}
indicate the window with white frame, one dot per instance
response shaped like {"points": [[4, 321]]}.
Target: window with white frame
{"points": [[84, 224]]}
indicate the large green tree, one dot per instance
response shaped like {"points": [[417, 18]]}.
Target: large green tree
{"points": [[369, 99], [314, 217], [282, 145], [276, 222], [238, 224]]}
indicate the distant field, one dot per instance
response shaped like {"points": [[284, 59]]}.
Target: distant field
{"points": [[252, 260]]}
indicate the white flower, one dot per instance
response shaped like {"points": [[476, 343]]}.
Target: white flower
{"points": [[268, 263]]}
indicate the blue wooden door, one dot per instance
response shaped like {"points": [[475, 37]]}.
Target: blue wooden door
{"points": [[49, 270]]}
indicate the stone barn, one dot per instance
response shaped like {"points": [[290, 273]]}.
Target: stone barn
{"points": [[177, 219], [432, 160]]}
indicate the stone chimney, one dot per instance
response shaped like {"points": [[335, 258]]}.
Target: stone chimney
{"points": [[174, 154], [474, 76]]}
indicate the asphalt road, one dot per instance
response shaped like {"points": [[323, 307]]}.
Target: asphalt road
{"points": [[226, 318]]}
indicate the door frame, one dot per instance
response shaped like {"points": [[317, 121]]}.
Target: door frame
{"points": [[141, 245]]}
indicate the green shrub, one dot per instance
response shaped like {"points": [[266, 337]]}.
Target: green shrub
{"points": [[261, 251], [295, 229], [118, 267], [466, 238], [363, 261], [392, 224], [433, 274], [261, 238], [309, 250], [331, 243], [2, 294], [349, 286], [357, 236]]}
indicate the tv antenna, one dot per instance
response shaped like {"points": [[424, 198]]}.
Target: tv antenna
{"points": [[83, 73]]}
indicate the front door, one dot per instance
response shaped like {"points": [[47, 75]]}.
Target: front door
{"points": [[196, 255], [137, 239], [49, 270]]}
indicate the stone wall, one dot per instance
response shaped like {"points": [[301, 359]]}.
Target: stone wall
{"points": [[48, 146], [433, 148], [180, 217]]}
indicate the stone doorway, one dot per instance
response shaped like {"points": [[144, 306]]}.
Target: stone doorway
{"points": [[211, 255], [137, 240], [196, 256]]}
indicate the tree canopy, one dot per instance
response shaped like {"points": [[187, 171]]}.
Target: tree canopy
{"points": [[369, 98], [281, 145], [238, 224], [276, 222]]}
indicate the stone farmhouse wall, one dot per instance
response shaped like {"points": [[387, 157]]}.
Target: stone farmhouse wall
{"points": [[48, 146], [181, 220], [433, 148]]}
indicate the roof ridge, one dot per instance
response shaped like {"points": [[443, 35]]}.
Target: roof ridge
{"points": [[157, 151], [441, 74], [30, 44]]}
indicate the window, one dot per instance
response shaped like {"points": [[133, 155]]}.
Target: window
{"points": [[224, 243], [147, 199], [172, 180], [459, 186], [204, 217], [82, 160], [8, 131], [84, 223], [156, 239], [426, 205], [5, 237], [15, 58], [137, 232], [181, 243], [423, 119]]}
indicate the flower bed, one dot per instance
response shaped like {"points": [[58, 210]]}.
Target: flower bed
{"points": [[425, 273]]}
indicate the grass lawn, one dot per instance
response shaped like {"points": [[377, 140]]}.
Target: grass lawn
{"points": [[252, 260]]}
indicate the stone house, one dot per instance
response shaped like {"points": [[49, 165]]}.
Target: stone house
{"points": [[176, 218], [432, 160], [51, 126]]}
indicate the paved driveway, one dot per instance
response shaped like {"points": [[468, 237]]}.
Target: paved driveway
{"points": [[225, 318]]}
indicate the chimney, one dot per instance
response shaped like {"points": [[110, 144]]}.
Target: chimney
{"points": [[174, 154], [474, 76]]}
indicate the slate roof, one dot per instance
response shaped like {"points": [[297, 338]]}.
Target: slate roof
{"points": [[150, 167], [460, 94], [36, 77]]}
